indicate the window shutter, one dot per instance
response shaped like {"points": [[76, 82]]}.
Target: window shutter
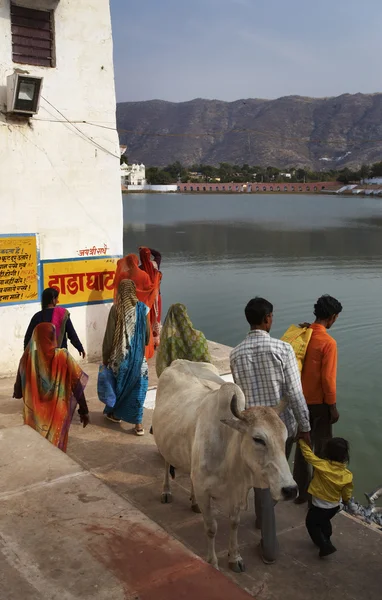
{"points": [[32, 36]]}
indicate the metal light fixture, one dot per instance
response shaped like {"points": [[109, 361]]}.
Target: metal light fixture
{"points": [[23, 94]]}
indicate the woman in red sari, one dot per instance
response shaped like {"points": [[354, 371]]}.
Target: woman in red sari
{"points": [[147, 290], [152, 269]]}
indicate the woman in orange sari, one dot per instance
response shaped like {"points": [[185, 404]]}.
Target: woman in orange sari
{"points": [[152, 269], [51, 384], [146, 290]]}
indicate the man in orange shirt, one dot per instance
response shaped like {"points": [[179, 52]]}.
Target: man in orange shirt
{"points": [[318, 377]]}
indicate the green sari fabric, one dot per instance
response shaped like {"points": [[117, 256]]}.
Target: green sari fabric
{"points": [[180, 340]]}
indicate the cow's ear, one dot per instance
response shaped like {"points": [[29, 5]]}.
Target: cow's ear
{"points": [[235, 424], [283, 405]]}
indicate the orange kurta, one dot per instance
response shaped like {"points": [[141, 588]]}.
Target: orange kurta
{"points": [[319, 373]]}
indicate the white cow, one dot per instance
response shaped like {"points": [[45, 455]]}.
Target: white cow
{"points": [[201, 427]]}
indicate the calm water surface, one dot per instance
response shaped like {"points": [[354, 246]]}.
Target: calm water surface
{"points": [[221, 250]]}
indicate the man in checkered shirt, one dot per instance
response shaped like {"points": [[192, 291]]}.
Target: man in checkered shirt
{"points": [[266, 370]]}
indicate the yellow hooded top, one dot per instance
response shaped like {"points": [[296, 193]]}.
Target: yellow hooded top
{"points": [[331, 480]]}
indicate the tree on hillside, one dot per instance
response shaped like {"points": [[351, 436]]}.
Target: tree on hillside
{"points": [[209, 172], [301, 175], [226, 172], [344, 176], [376, 170], [261, 175], [176, 170], [365, 172], [347, 176], [247, 172], [157, 176]]}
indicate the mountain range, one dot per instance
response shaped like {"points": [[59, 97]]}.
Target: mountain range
{"points": [[293, 131]]}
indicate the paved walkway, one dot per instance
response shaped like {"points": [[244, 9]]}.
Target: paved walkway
{"points": [[132, 468], [65, 535]]}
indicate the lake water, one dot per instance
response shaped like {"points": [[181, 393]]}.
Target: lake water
{"points": [[218, 251]]}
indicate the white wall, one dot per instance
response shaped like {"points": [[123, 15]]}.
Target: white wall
{"points": [[53, 181], [373, 180], [153, 188], [172, 187]]}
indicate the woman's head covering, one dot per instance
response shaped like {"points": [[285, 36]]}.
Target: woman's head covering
{"points": [[132, 262], [127, 294], [125, 266], [147, 265], [44, 342], [156, 306], [51, 382], [125, 304], [180, 340]]}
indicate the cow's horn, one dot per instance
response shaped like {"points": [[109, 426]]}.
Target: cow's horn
{"points": [[235, 410], [281, 406]]}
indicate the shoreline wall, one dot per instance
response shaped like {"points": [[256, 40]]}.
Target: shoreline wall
{"points": [[316, 187], [151, 188]]}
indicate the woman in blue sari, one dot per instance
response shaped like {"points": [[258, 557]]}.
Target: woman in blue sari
{"points": [[123, 351]]}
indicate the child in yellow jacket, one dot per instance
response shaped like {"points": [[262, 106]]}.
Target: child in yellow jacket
{"points": [[331, 482]]}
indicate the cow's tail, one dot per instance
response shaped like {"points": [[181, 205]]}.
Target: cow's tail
{"points": [[172, 469]]}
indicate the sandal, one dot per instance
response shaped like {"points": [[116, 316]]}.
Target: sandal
{"points": [[139, 431], [112, 418]]}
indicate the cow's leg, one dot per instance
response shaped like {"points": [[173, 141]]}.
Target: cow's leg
{"points": [[235, 561], [210, 526], [194, 504], [166, 497]]}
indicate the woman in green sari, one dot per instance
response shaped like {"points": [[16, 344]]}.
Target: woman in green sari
{"points": [[180, 340]]}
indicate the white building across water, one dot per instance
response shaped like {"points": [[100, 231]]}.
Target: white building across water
{"points": [[133, 174], [61, 221]]}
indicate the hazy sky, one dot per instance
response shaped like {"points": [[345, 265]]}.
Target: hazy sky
{"points": [[230, 49]]}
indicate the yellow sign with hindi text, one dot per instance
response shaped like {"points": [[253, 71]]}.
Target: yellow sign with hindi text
{"points": [[18, 269], [81, 281]]}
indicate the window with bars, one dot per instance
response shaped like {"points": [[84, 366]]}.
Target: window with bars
{"points": [[32, 36]]}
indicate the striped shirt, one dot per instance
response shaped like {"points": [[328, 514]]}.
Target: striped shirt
{"points": [[266, 370]]}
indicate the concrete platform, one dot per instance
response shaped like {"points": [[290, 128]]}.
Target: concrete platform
{"points": [[132, 468], [65, 535]]}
